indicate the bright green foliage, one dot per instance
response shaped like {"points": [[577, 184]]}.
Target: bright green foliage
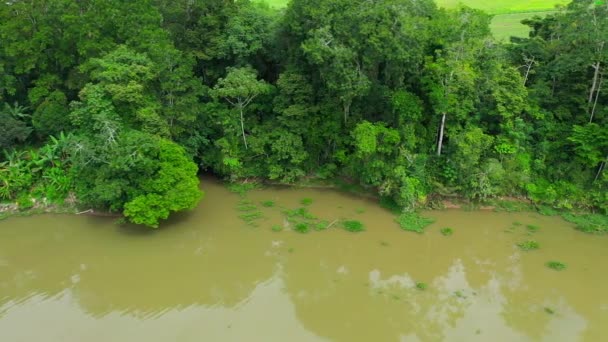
{"points": [[173, 187]]}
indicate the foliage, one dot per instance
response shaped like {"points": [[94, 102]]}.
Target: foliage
{"points": [[400, 98], [413, 222]]}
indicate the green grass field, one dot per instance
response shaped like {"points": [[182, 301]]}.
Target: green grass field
{"points": [[509, 13]]}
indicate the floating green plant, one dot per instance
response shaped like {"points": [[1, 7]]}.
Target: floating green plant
{"points": [[321, 225], [246, 205], [556, 265], [277, 228], [302, 227], [528, 245], [413, 222], [516, 223], [306, 201], [532, 228], [242, 188], [549, 311], [268, 204], [359, 210], [384, 244], [447, 231], [250, 217], [421, 286], [353, 226]]}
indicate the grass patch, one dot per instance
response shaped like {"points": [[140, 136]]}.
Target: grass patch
{"points": [[547, 211], [447, 231], [588, 223], [511, 206], [353, 226], [299, 212], [528, 245], [306, 201], [556, 265], [413, 222]]}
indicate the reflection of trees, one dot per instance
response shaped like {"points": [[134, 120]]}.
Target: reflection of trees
{"points": [[109, 268]]}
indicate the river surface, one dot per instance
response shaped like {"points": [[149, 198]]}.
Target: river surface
{"points": [[210, 276]]}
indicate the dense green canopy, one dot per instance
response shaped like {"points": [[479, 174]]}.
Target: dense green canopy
{"points": [[408, 99]]}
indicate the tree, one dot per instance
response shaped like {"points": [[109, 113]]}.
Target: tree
{"points": [[239, 88]]}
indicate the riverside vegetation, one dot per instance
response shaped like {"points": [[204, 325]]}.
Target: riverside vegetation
{"points": [[117, 105]]}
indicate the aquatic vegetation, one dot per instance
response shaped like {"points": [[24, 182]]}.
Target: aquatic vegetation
{"points": [[421, 286], [242, 188], [413, 222], [277, 228], [589, 223], [353, 226], [246, 205], [251, 217], [547, 211], [549, 310], [528, 245], [306, 201], [268, 204], [447, 231], [299, 212], [556, 265], [384, 244], [359, 210], [302, 227], [517, 223], [321, 225], [532, 228]]}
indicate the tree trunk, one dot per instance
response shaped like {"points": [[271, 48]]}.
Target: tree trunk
{"points": [[346, 110], [597, 95], [599, 171], [529, 64], [596, 74], [440, 142], [243, 129]]}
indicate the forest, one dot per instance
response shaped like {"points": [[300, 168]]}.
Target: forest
{"points": [[119, 105]]}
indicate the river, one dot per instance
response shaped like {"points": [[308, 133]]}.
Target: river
{"points": [[208, 275]]}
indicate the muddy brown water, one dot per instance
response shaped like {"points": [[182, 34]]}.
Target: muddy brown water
{"points": [[209, 276]]}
